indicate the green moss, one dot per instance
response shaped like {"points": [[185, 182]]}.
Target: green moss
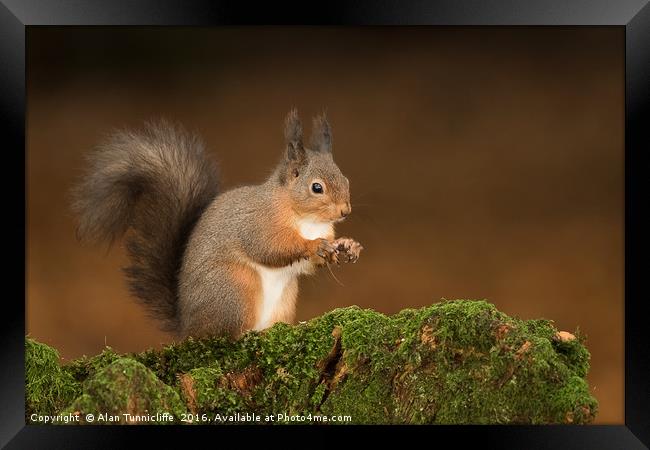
{"points": [[187, 355], [47, 387], [126, 387], [365, 397], [574, 354], [456, 361], [568, 409], [86, 367]]}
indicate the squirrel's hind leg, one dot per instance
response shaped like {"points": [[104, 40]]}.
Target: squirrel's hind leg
{"points": [[226, 305]]}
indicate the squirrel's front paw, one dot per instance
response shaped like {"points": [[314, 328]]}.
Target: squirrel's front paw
{"points": [[327, 250], [349, 249]]}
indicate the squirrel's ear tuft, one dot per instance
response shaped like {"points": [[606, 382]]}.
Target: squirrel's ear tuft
{"points": [[321, 135], [293, 136]]}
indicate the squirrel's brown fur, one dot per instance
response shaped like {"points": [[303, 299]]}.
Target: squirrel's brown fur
{"points": [[209, 264]]}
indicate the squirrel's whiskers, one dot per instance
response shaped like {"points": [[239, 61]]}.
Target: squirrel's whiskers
{"points": [[332, 273]]}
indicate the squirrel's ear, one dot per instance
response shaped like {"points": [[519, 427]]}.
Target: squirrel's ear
{"points": [[321, 135], [293, 137]]}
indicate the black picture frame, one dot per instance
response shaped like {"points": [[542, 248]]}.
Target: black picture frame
{"points": [[633, 15]]}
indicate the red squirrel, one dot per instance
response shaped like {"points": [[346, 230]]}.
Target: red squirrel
{"points": [[210, 263]]}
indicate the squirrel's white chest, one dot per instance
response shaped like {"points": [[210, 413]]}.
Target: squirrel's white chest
{"points": [[275, 281], [311, 229]]}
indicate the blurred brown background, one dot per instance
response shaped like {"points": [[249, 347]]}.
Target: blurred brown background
{"points": [[484, 163]]}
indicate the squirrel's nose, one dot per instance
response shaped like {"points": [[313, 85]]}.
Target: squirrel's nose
{"points": [[346, 210]]}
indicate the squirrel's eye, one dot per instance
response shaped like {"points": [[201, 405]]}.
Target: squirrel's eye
{"points": [[317, 188]]}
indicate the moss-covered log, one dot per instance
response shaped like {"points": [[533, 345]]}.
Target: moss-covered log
{"points": [[453, 362]]}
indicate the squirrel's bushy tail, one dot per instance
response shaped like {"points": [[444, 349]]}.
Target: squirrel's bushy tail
{"points": [[155, 184]]}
